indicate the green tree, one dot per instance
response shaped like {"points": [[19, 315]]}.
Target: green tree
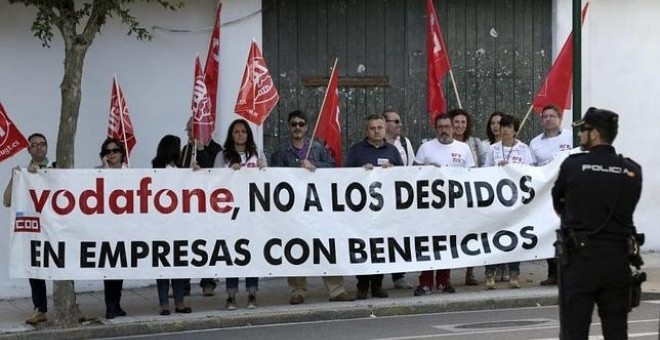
{"points": [[78, 22]]}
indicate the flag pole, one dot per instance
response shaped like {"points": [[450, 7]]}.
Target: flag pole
{"points": [[458, 99], [522, 123], [121, 120], [325, 97], [193, 155]]}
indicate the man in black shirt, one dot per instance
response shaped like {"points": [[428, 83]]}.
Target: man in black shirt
{"points": [[595, 195]]}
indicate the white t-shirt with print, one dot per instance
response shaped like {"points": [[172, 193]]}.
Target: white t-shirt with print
{"points": [[545, 148], [455, 154], [519, 153]]}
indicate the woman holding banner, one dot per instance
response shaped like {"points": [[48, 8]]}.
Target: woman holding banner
{"points": [[168, 155], [112, 156], [240, 151]]}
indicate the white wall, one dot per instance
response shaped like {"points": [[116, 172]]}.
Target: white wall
{"points": [[156, 78], [620, 69]]}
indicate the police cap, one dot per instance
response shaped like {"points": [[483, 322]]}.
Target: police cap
{"points": [[602, 119]]}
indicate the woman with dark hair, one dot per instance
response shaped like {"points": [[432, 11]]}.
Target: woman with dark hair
{"points": [[240, 151], [168, 155], [112, 157], [508, 150], [493, 127]]}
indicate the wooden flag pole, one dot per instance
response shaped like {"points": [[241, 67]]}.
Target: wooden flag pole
{"points": [[458, 99], [325, 97], [121, 120], [522, 123]]}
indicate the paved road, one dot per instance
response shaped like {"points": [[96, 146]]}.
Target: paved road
{"points": [[522, 323]]}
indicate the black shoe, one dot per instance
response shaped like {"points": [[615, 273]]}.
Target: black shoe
{"points": [[185, 310], [110, 314], [362, 293], [165, 312], [121, 312]]}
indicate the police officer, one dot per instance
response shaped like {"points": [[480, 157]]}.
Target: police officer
{"points": [[595, 195]]}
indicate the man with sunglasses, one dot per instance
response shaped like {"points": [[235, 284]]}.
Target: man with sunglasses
{"points": [[292, 154], [393, 127], [38, 150], [595, 195]]}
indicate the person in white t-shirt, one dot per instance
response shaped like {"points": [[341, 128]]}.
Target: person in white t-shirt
{"points": [[508, 150], [544, 147], [553, 139], [442, 151]]}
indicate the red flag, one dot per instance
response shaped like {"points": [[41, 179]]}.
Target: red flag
{"points": [[258, 95], [437, 64], [11, 140], [558, 84], [327, 125], [202, 117], [211, 68], [120, 126]]}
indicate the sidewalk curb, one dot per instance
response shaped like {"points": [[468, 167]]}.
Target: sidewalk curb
{"points": [[406, 306]]}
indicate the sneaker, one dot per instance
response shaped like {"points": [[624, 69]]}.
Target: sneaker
{"points": [[402, 283], [447, 288], [490, 281], [208, 291], [252, 301], [231, 303], [422, 290], [343, 297], [470, 280], [37, 317], [513, 281], [550, 281], [298, 299]]}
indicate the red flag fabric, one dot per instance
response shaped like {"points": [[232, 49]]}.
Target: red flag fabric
{"points": [[120, 126], [202, 117], [437, 64], [11, 140], [258, 95], [211, 68], [328, 126], [558, 84]]}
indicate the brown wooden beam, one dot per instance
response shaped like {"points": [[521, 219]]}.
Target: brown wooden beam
{"points": [[372, 81]]}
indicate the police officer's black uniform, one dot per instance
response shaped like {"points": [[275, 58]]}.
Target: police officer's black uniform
{"points": [[595, 195]]}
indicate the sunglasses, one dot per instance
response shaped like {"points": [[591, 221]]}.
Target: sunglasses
{"points": [[111, 151], [298, 124], [395, 121]]}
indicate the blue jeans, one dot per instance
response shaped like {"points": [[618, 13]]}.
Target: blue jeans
{"points": [[514, 267], [164, 289], [251, 284]]}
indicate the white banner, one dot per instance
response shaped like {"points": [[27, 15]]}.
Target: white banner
{"points": [[176, 223]]}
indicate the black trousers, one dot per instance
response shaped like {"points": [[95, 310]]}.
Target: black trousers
{"points": [[112, 290], [39, 299], [599, 274], [374, 280]]}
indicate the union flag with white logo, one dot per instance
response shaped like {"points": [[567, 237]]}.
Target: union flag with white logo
{"points": [[258, 95], [203, 120], [11, 140], [437, 63], [120, 126], [328, 127]]}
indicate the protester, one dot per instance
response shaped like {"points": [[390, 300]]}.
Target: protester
{"points": [[38, 150], [544, 147], [442, 151], [595, 195], [168, 155], [461, 122], [205, 157], [112, 156], [240, 151], [371, 152], [300, 151], [508, 150], [393, 127]]}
